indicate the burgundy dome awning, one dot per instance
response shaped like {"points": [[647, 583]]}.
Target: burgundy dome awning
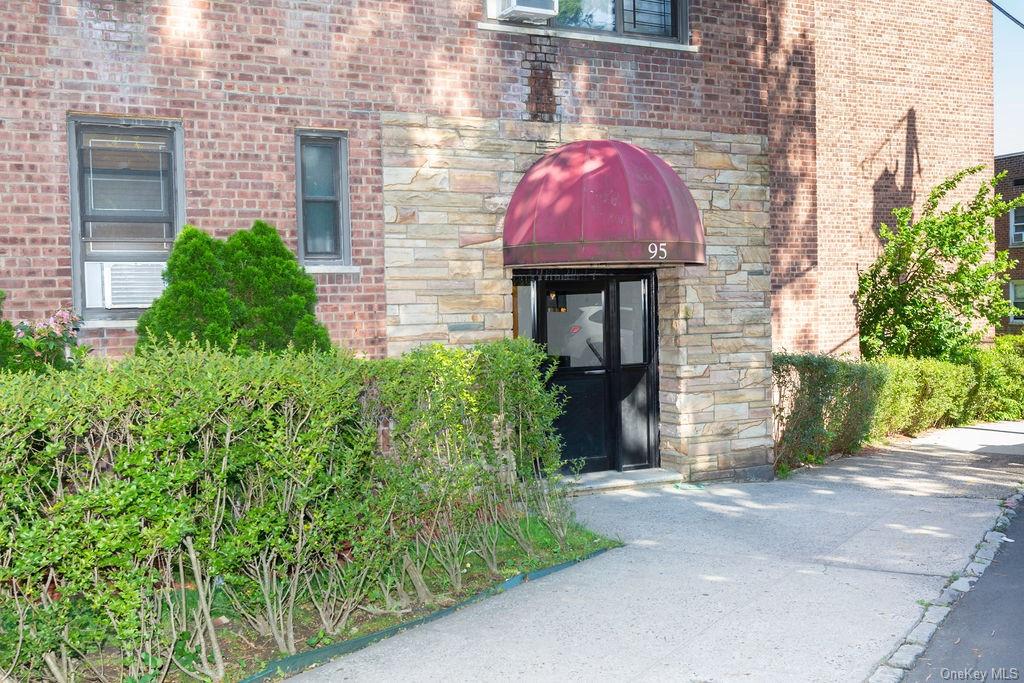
{"points": [[602, 202]]}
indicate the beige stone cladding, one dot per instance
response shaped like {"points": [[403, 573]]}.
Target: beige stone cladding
{"points": [[446, 185]]}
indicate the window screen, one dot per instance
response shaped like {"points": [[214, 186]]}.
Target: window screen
{"points": [[126, 187], [127, 198]]}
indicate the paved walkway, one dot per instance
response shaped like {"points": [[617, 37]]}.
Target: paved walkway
{"points": [[814, 578]]}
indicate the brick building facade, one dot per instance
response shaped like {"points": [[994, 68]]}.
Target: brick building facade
{"points": [[1010, 234], [795, 124], [868, 112]]}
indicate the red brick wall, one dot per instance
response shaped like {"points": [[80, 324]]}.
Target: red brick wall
{"points": [[901, 98], [1014, 168], [243, 76]]}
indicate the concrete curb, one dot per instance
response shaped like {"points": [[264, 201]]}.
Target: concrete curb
{"points": [[901, 659]]}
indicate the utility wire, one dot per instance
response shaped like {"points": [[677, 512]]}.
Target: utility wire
{"points": [[1007, 14]]}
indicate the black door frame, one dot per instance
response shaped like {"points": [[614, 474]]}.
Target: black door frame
{"points": [[609, 279]]}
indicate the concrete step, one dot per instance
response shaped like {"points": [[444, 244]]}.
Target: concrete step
{"points": [[601, 482]]}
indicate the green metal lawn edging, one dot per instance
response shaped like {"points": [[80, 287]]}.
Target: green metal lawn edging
{"points": [[293, 664]]}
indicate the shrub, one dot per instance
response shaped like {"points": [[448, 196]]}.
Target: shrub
{"points": [[828, 405], [7, 343], [248, 293], [935, 277], [52, 343], [999, 390], [824, 406], [136, 498], [196, 301]]}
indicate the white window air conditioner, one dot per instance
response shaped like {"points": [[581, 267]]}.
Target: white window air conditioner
{"points": [[123, 285], [529, 11]]}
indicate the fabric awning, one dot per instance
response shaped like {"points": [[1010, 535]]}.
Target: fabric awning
{"points": [[602, 202]]}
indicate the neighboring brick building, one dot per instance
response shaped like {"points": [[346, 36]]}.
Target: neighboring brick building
{"points": [[869, 110], [385, 140], [1010, 234]]}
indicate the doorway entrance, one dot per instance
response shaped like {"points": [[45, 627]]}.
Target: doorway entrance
{"points": [[599, 329]]}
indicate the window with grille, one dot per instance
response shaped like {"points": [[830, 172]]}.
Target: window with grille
{"points": [[126, 192], [650, 18]]}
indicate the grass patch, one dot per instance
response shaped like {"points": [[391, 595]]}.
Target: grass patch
{"points": [[248, 653]]}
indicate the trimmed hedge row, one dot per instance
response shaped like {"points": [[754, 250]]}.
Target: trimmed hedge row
{"points": [[826, 405], [138, 501]]}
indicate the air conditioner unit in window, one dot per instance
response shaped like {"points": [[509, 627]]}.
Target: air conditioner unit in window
{"points": [[530, 11], [123, 284]]}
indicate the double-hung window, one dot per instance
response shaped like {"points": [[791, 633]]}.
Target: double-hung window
{"points": [[322, 191], [1017, 227], [127, 206], [1017, 299]]}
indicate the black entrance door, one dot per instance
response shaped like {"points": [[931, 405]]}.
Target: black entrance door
{"points": [[599, 329]]}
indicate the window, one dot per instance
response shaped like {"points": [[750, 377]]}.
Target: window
{"points": [[1017, 299], [322, 191], [127, 206], [1016, 227], [638, 18], [666, 20]]}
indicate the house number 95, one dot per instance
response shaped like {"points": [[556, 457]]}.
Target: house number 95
{"points": [[658, 251]]}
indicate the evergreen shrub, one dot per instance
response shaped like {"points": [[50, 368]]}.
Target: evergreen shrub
{"points": [[246, 293]]}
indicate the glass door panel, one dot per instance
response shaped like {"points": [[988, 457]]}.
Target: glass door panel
{"points": [[632, 322], [575, 327]]}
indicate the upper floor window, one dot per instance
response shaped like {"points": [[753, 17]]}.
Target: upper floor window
{"points": [[657, 18], [1017, 299], [323, 217], [127, 199], [663, 20], [1016, 227]]}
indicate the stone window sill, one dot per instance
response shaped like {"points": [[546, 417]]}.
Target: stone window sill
{"points": [[322, 268], [108, 324], [584, 35]]}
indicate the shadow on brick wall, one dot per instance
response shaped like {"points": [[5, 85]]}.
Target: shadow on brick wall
{"points": [[894, 186], [792, 150]]}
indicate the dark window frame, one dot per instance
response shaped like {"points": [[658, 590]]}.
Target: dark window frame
{"points": [[1014, 318], [681, 13], [337, 139], [79, 125]]}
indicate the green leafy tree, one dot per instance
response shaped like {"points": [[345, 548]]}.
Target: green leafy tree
{"points": [[246, 293], [936, 277]]}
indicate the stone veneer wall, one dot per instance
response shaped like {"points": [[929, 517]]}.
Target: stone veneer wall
{"points": [[447, 182]]}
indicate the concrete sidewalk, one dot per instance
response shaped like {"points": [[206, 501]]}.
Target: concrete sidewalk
{"points": [[814, 578]]}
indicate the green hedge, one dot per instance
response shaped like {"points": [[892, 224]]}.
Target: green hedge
{"points": [[829, 405], [137, 500]]}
